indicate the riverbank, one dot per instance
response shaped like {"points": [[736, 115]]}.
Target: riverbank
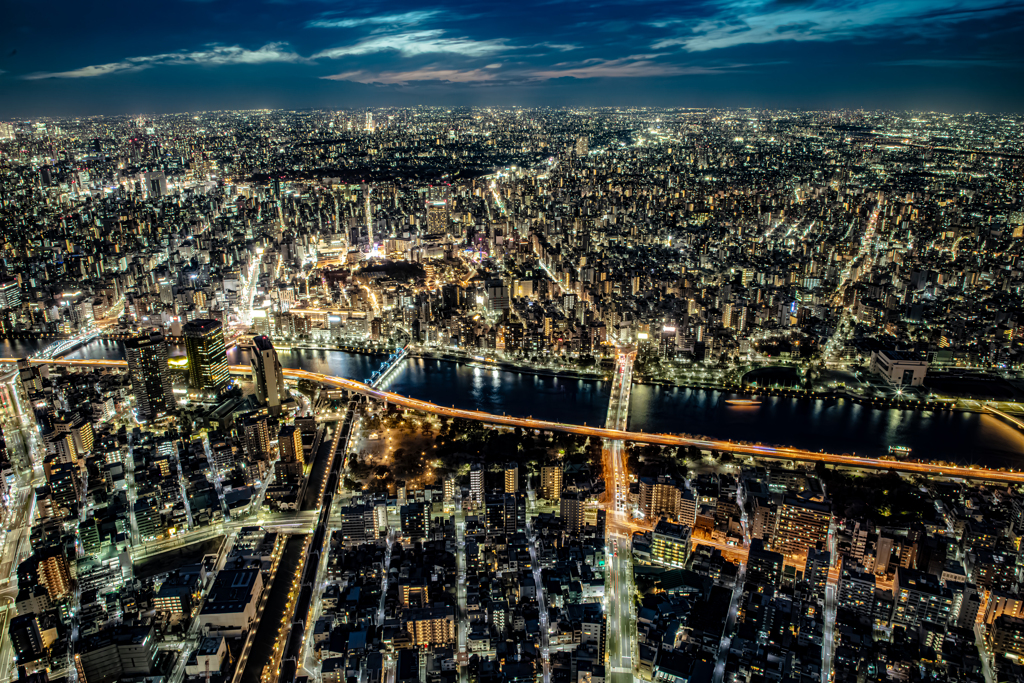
{"points": [[510, 366], [747, 391]]}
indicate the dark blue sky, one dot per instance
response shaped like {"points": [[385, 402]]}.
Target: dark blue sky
{"points": [[80, 58]]}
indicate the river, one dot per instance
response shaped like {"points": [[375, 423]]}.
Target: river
{"points": [[839, 426]]}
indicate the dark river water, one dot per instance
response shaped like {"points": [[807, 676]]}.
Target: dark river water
{"points": [[840, 426]]}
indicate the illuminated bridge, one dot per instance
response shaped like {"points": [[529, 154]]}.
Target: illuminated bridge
{"points": [[756, 450]]}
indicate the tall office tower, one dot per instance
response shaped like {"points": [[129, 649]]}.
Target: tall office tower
{"points": [[10, 294], [207, 355], [151, 380], [267, 375], [369, 121], [476, 485], [511, 477], [551, 482], [289, 439]]}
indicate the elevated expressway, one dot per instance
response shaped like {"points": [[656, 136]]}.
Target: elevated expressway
{"points": [[755, 450]]}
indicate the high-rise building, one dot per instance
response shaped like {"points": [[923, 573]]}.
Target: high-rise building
{"points": [[267, 375], [156, 183], [358, 524], [920, 597], [64, 481], [289, 440], [687, 508], [816, 572], [256, 436], [515, 513], [450, 490], [115, 654], [582, 145], [10, 294], [764, 566], [856, 589], [511, 477], [593, 631], [437, 217], [551, 482], [476, 485], [802, 523], [54, 573], [415, 519], [670, 544], [659, 497], [570, 509], [25, 637], [207, 355], [430, 625], [150, 377]]}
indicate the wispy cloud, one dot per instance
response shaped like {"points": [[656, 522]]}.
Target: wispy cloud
{"points": [[746, 22], [634, 66], [403, 19], [956, 63], [561, 47], [414, 43], [429, 73], [211, 55]]}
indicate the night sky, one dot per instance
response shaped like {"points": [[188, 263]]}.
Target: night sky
{"points": [[80, 58]]}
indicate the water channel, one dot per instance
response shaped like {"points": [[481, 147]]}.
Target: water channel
{"points": [[838, 426]]}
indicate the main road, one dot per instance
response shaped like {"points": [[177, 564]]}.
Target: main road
{"points": [[619, 585], [755, 450]]}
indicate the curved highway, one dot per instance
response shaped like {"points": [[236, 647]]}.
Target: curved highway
{"points": [[604, 433]]}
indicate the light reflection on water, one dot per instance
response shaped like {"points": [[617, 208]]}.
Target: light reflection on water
{"points": [[839, 426]]}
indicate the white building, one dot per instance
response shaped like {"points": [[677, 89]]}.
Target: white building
{"points": [[899, 368]]}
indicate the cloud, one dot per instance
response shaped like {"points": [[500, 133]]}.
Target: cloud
{"points": [[561, 47], [634, 66], [425, 74], [414, 43], [213, 55], [746, 22], [403, 19], [90, 71], [955, 63]]}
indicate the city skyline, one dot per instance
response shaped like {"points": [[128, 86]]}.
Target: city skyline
{"points": [[488, 394], [188, 56]]}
